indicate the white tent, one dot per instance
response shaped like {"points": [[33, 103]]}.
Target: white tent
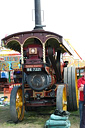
{"points": [[7, 52]]}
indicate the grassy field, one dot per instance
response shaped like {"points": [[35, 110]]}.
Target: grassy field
{"points": [[34, 119]]}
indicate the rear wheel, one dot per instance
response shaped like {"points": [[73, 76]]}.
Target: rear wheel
{"points": [[61, 98], [17, 107], [70, 78]]}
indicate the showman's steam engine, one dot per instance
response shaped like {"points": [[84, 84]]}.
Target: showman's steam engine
{"points": [[46, 80]]}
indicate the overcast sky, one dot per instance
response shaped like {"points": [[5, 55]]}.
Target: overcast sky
{"points": [[64, 17]]}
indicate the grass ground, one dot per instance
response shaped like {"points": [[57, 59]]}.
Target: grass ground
{"points": [[34, 119]]}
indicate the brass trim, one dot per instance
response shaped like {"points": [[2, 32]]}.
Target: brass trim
{"points": [[30, 38], [49, 35], [16, 37], [53, 38], [22, 57], [12, 40], [44, 60]]}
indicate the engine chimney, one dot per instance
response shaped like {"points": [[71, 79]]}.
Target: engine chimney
{"points": [[38, 24]]}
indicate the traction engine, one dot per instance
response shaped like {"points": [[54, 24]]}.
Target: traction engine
{"points": [[46, 79]]}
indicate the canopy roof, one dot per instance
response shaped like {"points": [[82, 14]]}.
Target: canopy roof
{"points": [[15, 41]]}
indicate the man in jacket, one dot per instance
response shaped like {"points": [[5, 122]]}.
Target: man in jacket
{"points": [[81, 83]]}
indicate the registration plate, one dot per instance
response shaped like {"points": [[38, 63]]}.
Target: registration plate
{"points": [[33, 69]]}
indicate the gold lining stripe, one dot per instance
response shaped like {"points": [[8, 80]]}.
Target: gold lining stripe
{"points": [[16, 37], [32, 37], [52, 38], [12, 40], [63, 48], [49, 35]]}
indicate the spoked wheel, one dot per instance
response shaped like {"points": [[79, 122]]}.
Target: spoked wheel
{"points": [[61, 98], [17, 107], [70, 78]]}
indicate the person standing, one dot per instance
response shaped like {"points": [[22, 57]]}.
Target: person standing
{"points": [[81, 83]]}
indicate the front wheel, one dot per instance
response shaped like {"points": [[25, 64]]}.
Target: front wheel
{"points": [[61, 97], [17, 107]]}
